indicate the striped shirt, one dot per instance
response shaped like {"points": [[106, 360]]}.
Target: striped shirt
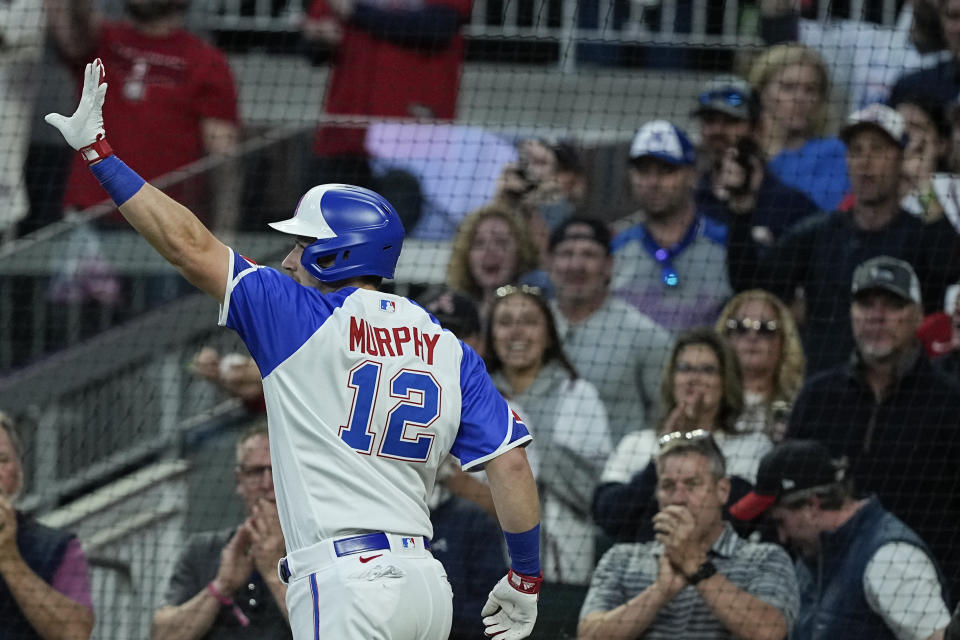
{"points": [[762, 570]]}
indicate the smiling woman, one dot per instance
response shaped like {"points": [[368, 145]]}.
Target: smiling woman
{"points": [[564, 412]]}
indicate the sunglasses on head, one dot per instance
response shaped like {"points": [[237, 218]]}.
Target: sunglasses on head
{"points": [[743, 326], [510, 289], [696, 434]]}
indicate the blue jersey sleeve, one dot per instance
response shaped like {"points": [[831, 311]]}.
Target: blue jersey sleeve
{"points": [[488, 426], [273, 315]]}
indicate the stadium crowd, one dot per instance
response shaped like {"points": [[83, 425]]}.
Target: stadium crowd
{"points": [[744, 396]]}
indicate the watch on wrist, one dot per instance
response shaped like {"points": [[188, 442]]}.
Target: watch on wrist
{"points": [[704, 571]]}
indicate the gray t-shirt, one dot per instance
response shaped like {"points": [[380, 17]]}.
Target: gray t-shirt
{"points": [[762, 570], [702, 286], [622, 352], [195, 569]]}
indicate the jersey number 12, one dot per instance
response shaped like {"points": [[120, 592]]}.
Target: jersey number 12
{"points": [[417, 406]]}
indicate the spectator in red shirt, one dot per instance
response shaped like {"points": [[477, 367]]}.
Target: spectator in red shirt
{"points": [[173, 86], [393, 58]]}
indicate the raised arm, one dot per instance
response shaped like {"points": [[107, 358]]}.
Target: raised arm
{"points": [[172, 229]]}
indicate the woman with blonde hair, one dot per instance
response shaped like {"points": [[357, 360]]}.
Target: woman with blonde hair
{"points": [[762, 333], [793, 86], [492, 248]]}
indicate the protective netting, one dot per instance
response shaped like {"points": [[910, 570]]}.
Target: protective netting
{"points": [[648, 217]]}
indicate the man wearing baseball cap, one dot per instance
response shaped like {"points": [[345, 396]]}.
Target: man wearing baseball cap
{"points": [[820, 254], [670, 263], [862, 572], [890, 412], [625, 370], [733, 176]]}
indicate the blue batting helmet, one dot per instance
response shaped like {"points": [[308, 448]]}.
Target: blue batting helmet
{"points": [[356, 225]]}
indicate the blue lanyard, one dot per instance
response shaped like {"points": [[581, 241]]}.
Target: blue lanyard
{"points": [[664, 257]]}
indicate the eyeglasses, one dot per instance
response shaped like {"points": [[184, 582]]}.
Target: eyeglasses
{"points": [[510, 289], [696, 434], [730, 96], [703, 369], [255, 472], [743, 326]]}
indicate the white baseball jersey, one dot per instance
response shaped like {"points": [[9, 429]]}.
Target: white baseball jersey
{"points": [[365, 395]]}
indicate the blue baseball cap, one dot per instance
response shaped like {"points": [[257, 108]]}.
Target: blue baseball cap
{"points": [[665, 141]]}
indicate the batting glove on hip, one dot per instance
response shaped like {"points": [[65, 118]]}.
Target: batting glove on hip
{"points": [[511, 608], [84, 129]]}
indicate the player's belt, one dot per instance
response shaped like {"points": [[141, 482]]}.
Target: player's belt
{"points": [[366, 542], [363, 543]]}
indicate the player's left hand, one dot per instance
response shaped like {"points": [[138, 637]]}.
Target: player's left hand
{"points": [[85, 126], [511, 608]]}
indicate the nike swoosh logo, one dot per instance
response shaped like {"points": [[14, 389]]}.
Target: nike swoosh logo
{"points": [[365, 560]]}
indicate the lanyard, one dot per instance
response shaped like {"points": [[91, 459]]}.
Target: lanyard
{"points": [[664, 257]]}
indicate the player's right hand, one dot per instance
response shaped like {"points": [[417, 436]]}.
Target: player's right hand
{"points": [[85, 126], [511, 608]]}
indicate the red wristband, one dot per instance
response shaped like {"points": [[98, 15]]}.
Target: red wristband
{"points": [[96, 152], [227, 602], [525, 584]]}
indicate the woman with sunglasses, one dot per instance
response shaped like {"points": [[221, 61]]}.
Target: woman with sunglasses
{"points": [[764, 337], [701, 390], [527, 364]]}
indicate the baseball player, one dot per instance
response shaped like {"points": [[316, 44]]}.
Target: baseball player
{"points": [[365, 395]]}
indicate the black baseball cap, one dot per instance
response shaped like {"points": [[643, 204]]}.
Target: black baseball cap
{"points": [[453, 310], [727, 94], [578, 228], [887, 274], [790, 469]]}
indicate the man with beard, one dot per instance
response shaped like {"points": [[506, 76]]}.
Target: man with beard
{"points": [[669, 265], [733, 176], [890, 413], [820, 253], [168, 85], [225, 584]]}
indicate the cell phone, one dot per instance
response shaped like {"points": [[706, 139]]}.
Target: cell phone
{"points": [[748, 152]]}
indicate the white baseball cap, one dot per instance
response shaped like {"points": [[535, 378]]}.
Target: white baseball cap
{"points": [[878, 116], [665, 141]]}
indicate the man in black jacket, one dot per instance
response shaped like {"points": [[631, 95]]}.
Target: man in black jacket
{"points": [[894, 417], [820, 253]]}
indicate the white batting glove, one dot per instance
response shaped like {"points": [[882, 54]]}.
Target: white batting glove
{"points": [[511, 608], [84, 129]]}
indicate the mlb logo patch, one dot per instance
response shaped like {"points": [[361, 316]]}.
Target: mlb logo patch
{"points": [[517, 419], [408, 543], [387, 305]]}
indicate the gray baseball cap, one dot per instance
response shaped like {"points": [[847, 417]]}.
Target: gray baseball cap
{"points": [[888, 274], [727, 94]]}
